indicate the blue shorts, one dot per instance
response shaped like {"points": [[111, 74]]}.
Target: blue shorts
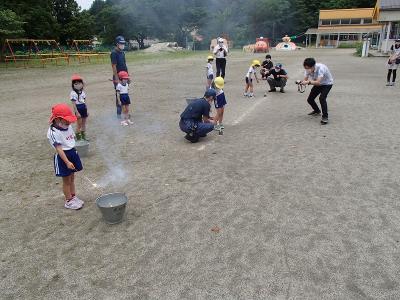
{"points": [[249, 81], [220, 101], [210, 77], [125, 100], [60, 168], [82, 109]]}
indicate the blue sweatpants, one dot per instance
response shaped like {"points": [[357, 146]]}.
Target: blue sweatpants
{"points": [[202, 128]]}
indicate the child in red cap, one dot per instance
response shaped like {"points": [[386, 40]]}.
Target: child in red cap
{"points": [[122, 89], [66, 160], [78, 99]]}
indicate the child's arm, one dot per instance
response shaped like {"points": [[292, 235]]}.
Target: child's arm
{"points": [[61, 153], [78, 115]]}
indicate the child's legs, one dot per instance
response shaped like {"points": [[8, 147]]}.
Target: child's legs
{"points": [[251, 87], [246, 88], [125, 111], [72, 183], [67, 187], [394, 75], [83, 124], [79, 125], [389, 74], [220, 114]]}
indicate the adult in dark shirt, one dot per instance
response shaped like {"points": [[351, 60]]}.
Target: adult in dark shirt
{"points": [[118, 64], [279, 79], [266, 65], [195, 120]]}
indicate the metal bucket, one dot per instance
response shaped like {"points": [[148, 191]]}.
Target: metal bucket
{"points": [[112, 207], [82, 147], [190, 100]]}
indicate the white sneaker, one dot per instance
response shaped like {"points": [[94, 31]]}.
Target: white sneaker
{"points": [[388, 84], [392, 84], [217, 127], [72, 204], [246, 94], [129, 122], [251, 95], [79, 201], [124, 123]]}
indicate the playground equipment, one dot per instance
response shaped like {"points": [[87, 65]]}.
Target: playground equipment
{"points": [[28, 52], [286, 44], [84, 50], [261, 45]]}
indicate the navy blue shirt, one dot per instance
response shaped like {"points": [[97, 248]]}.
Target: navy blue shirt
{"points": [[118, 58], [196, 110], [274, 73]]}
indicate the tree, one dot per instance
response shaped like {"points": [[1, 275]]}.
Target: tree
{"points": [[10, 24]]}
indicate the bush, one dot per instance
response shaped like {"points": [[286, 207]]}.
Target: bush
{"points": [[348, 45], [359, 47]]}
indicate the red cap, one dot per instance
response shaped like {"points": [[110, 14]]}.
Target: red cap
{"points": [[76, 77], [123, 75], [63, 111]]}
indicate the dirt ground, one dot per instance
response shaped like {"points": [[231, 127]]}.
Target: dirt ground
{"points": [[304, 211]]}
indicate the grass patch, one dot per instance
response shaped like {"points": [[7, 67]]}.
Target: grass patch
{"points": [[348, 46]]}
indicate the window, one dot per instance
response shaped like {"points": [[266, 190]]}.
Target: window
{"points": [[325, 22], [335, 22], [353, 37], [345, 21], [368, 21], [355, 21]]}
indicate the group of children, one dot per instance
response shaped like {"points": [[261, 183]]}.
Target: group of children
{"points": [[63, 138]]}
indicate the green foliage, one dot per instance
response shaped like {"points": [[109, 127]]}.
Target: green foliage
{"points": [[10, 24], [359, 47], [348, 45]]}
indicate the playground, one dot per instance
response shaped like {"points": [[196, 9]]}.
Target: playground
{"points": [[279, 207]]}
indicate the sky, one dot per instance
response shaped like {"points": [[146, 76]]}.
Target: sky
{"points": [[84, 4]]}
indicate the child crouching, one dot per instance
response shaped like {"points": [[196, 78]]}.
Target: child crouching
{"points": [[66, 160]]}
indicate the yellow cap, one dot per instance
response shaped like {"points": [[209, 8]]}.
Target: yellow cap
{"points": [[256, 62], [219, 82], [210, 57]]}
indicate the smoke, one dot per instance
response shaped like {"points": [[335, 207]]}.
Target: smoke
{"points": [[109, 146]]}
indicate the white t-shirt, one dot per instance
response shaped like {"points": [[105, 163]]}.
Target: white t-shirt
{"points": [[250, 72], [210, 70], [394, 50], [123, 89], [220, 54], [78, 98], [64, 138], [321, 71]]}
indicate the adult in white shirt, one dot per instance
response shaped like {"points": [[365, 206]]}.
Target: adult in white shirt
{"points": [[220, 53], [320, 77]]}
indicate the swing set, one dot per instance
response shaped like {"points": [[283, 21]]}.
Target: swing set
{"points": [[32, 52], [84, 50]]}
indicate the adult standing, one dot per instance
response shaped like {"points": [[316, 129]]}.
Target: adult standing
{"points": [[220, 53], [320, 77], [393, 63], [118, 64], [195, 120]]}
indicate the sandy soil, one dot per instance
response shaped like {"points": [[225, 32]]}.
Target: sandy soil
{"points": [[304, 211]]}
